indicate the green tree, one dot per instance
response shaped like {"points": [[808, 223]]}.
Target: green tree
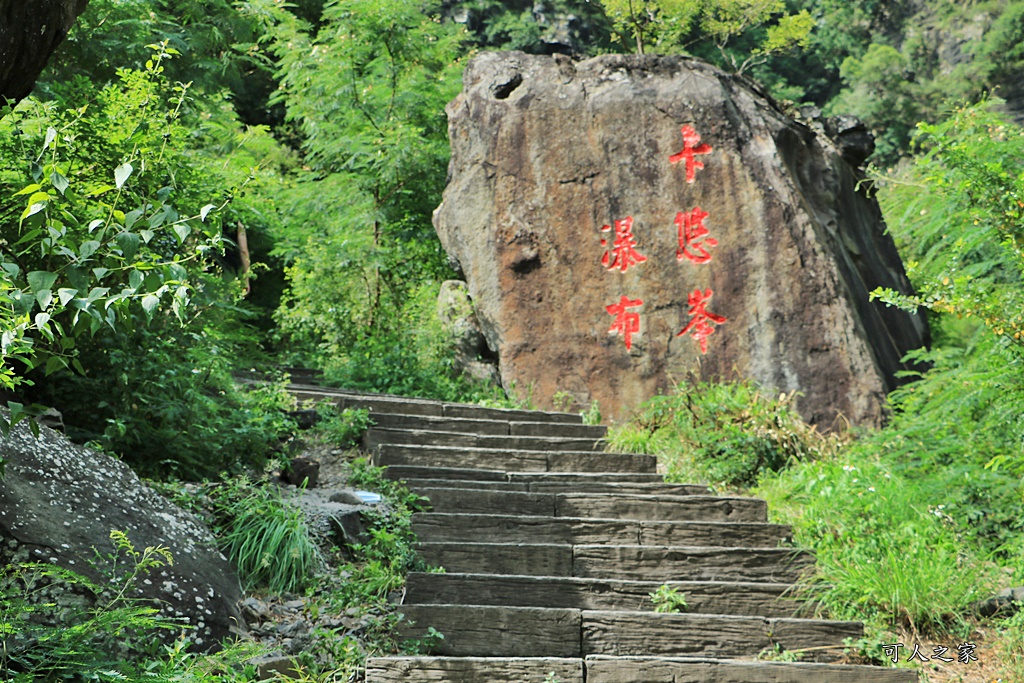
{"points": [[668, 25], [365, 93]]}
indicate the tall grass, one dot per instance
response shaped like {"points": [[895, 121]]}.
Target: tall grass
{"points": [[268, 541], [887, 551]]}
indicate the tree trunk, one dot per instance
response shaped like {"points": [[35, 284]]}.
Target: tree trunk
{"points": [[30, 30]]}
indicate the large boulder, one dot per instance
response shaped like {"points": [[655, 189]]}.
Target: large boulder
{"points": [[59, 502], [625, 221]]}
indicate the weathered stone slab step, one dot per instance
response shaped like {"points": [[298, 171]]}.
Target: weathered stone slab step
{"points": [[644, 563], [476, 631], [442, 527], [705, 597], [598, 505], [512, 459], [489, 427], [388, 403], [591, 480], [473, 670], [375, 436], [667, 635], [659, 563], [604, 669], [562, 485]]}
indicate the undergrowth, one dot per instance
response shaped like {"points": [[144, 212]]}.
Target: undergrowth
{"points": [[722, 434], [60, 625]]}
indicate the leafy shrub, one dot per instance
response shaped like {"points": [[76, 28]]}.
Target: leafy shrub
{"points": [[727, 434], [343, 429], [266, 538], [58, 625], [164, 399]]}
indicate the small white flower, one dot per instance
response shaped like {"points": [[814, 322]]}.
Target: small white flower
{"points": [[871, 488], [849, 468]]}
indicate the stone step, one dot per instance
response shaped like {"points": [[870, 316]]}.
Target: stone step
{"points": [[487, 427], [442, 527], [591, 480], [605, 669], [643, 563], [475, 631], [556, 484], [387, 403], [512, 460], [473, 670], [375, 436], [703, 597], [598, 505]]}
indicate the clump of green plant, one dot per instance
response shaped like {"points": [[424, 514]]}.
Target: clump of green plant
{"points": [[266, 538], [668, 598], [592, 416], [344, 428], [1011, 635], [369, 572], [57, 624], [727, 434], [883, 540], [777, 653]]}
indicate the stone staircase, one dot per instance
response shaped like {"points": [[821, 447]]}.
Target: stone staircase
{"points": [[551, 548]]}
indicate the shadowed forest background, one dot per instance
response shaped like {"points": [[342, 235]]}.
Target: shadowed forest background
{"points": [[165, 132]]}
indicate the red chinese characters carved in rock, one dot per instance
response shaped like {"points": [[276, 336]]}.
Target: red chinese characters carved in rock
{"points": [[623, 253], [691, 230], [692, 146], [627, 323], [701, 325]]}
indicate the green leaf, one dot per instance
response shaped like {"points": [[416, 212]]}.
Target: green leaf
{"points": [[100, 190], [88, 249], [64, 295], [95, 224], [135, 279], [33, 209], [59, 182], [147, 235], [122, 173], [100, 273], [51, 135], [44, 297], [55, 363], [129, 243], [35, 187], [205, 211], [149, 304], [41, 319], [41, 279], [131, 217], [182, 231], [11, 269]]}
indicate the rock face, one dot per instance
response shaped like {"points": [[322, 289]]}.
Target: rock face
{"points": [[473, 357], [623, 222], [59, 501]]}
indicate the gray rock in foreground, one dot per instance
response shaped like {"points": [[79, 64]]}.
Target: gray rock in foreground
{"points": [[60, 501]]}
